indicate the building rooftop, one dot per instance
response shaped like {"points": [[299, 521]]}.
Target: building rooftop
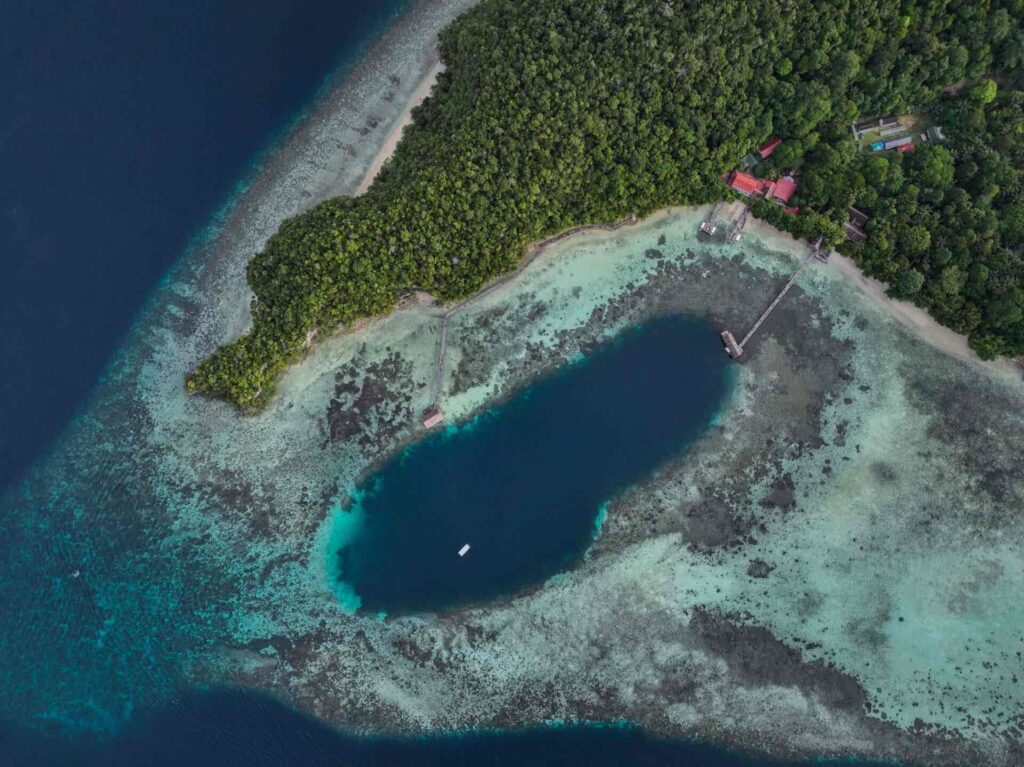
{"points": [[769, 146], [432, 417], [743, 183], [781, 190], [784, 188], [857, 217]]}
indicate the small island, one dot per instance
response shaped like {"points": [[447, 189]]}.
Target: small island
{"points": [[560, 113], [533, 492]]}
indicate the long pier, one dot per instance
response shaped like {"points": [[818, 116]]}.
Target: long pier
{"points": [[708, 224], [735, 349], [741, 221], [439, 373], [433, 416]]}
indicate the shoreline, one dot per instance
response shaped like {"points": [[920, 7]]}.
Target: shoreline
{"points": [[918, 321], [387, 149], [333, 176], [339, 141], [912, 318]]}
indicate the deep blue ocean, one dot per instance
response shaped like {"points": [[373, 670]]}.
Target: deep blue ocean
{"points": [[229, 728], [124, 128]]}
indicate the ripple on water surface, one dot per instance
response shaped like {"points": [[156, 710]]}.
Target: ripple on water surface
{"points": [[523, 483]]}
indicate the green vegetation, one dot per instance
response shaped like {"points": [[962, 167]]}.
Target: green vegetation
{"points": [[945, 227], [554, 113]]}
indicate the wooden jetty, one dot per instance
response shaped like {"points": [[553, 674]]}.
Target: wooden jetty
{"points": [[433, 415], [708, 224], [734, 349], [819, 252], [733, 224], [741, 221], [439, 371]]}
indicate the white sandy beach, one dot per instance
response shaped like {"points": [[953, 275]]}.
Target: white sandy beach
{"points": [[917, 319], [395, 135], [913, 318]]}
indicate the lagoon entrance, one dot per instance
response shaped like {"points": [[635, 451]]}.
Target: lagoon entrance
{"points": [[524, 484]]}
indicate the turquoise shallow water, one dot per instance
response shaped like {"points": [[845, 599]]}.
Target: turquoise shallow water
{"points": [[524, 483]]}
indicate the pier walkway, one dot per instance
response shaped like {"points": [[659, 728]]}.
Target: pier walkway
{"points": [[708, 225], [741, 221], [735, 349], [433, 415]]}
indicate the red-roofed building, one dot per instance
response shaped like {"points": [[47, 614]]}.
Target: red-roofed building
{"points": [[906, 148], [785, 187], [747, 185], [769, 146], [432, 417], [743, 183]]}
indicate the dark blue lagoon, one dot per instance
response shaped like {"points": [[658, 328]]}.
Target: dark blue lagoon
{"points": [[524, 484]]}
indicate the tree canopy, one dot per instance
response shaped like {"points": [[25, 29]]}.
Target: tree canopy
{"points": [[554, 113], [945, 221]]}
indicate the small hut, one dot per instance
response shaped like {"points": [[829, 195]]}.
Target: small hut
{"points": [[731, 347], [432, 417]]}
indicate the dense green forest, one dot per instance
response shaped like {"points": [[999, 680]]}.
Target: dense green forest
{"points": [[553, 113], [946, 226]]}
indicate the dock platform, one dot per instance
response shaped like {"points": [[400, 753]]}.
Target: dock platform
{"points": [[735, 349]]}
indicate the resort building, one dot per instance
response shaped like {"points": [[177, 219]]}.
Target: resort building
{"points": [[746, 184], [784, 189], [854, 225], [432, 417], [769, 146], [879, 124], [780, 191], [894, 143]]}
